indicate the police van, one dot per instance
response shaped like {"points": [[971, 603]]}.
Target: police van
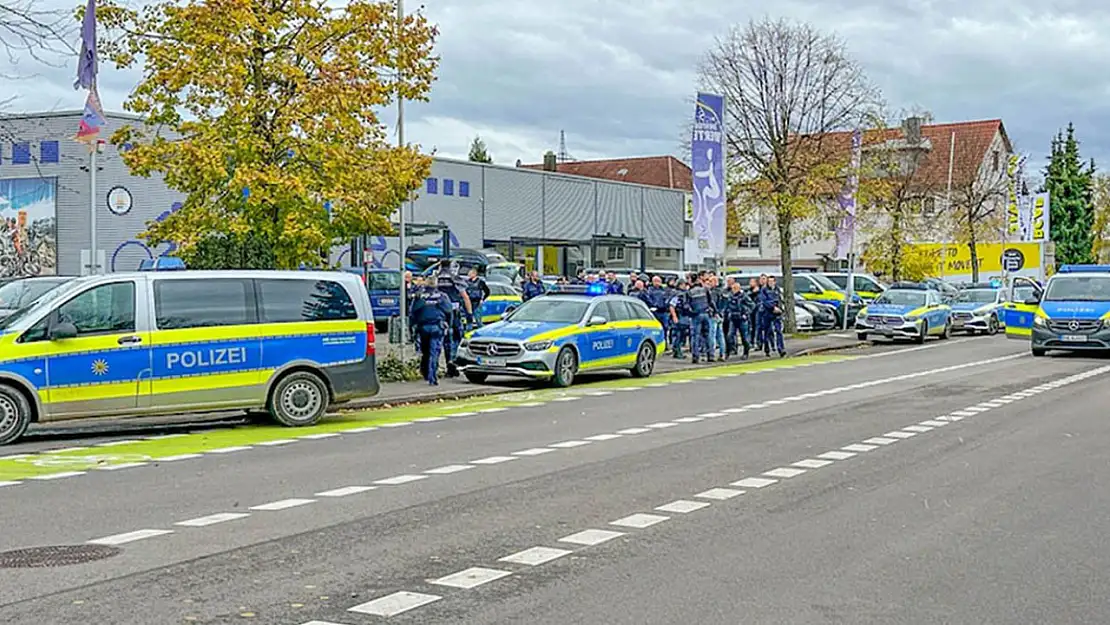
{"points": [[291, 343], [1073, 312]]}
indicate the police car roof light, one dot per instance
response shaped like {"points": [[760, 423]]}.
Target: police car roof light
{"points": [[162, 263], [1085, 269], [912, 286], [579, 289]]}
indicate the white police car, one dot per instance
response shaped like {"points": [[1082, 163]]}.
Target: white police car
{"points": [[557, 335], [906, 310], [978, 308]]}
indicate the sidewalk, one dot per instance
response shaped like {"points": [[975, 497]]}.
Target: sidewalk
{"points": [[394, 393]]}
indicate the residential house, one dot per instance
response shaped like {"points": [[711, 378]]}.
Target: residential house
{"points": [[976, 153]]}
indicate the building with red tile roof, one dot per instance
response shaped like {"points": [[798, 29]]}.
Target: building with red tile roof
{"points": [[656, 171]]}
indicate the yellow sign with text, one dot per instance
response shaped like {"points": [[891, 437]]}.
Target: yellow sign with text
{"points": [[953, 259]]}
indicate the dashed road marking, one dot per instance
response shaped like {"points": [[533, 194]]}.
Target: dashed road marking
{"points": [[662, 425], [346, 491], [213, 519], [430, 419], [228, 450], [399, 424], [836, 455], [462, 414], [858, 448], [397, 603], [400, 479], [449, 469], [600, 438], [719, 494], [56, 476], [639, 521], [369, 428], [125, 465], [812, 463], [566, 399], [754, 482], [279, 442], [494, 460], [630, 431], [178, 457], [535, 556], [569, 444], [284, 504], [682, 506], [129, 537], [535, 451], [711, 415], [918, 428], [879, 440], [590, 538], [933, 423], [689, 420], [900, 434], [320, 436], [784, 472], [470, 578]]}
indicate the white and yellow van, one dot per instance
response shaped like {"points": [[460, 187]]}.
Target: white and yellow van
{"points": [[289, 342]]}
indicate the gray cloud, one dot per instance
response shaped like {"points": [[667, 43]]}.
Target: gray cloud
{"points": [[618, 75]]}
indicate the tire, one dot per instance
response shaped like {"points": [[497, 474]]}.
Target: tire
{"points": [[920, 339], [15, 414], [566, 367], [645, 361], [947, 334], [1037, 352], [299, 399], [992, 326], [475, 377]]}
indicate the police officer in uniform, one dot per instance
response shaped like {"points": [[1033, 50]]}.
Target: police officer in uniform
{"points": [[656, 298], [478, 291], [771, 310], [453, 286], [533, 287], [680, 317], [700, 305], [430, 316], [738, 309]]}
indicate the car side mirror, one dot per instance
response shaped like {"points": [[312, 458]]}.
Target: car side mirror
{"points": [[596, 320], [62, 331], [1033, 301], [508, 312]]}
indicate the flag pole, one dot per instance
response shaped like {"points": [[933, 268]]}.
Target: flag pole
{"points": [[401, 208]]}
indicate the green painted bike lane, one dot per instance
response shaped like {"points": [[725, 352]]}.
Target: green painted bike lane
{"points": [[172, 447]]}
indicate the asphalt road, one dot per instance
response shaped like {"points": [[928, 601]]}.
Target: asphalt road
{"points": [[994, 514]]}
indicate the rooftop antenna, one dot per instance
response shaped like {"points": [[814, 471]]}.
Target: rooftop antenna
{"points": [[563, 156]]}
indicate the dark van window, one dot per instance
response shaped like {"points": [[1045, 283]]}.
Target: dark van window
{"points": [[283, 301], [204, 303], [639, 311]]}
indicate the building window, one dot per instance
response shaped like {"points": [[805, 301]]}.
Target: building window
{"points": [[432, 185], [997, 157], [748, 241], [448, 186], [464, 188], [48, 152], [614, 252], [21, 153]]}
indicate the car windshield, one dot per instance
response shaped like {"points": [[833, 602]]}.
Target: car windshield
{"points": [[1078, 289], [902, 298], [551, 310], [503, 271], [841, 282], [22, 292], [385, 280], [826, 283], [978, 296], [59, 289]]}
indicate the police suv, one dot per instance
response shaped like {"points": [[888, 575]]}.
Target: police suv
{"points": [[1073, 314], [289, 342], [557, 335], [906, 310]]}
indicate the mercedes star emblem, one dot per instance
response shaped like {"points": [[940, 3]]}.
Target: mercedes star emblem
{"points": [[492, 349], [1074, 325]]}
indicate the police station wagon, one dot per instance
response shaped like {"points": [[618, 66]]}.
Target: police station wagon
{"points": [[290, 343]]}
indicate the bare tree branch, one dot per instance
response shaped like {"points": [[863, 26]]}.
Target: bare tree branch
{"points": [[27, 29], [786, 85]]}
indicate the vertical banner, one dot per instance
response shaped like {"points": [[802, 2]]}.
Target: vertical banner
{"points": [[1039, 217], [845, 233], [28, 227], [707, 158], [1014, 170]]}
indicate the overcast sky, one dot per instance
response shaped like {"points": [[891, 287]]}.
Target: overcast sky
{"points": [[618, 75]]}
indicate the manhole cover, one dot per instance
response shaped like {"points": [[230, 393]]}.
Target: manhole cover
{"points": [[55, 555]]}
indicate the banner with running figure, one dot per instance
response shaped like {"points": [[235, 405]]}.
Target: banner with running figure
{"points": [[707, 159]]}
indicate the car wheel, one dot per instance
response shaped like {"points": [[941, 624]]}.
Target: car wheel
{"points": [[645, 361], [566, 367], [947, 332], [476, 377], [15, 414], [924, 334], [992, 326], [1038, 352], [299, 399]]}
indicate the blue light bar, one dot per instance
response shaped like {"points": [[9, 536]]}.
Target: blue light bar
{"points": [[1085, 269], [911, 286], [594, 289], [162, 263]]}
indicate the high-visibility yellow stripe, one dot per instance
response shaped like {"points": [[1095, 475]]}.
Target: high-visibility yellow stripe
{"points": [[254, 331], [1018, 333], [215, 381]]}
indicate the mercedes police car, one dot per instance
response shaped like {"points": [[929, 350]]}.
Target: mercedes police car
{"points": [[978, 308], [906, 310], [557, 335], [1074, 312]]}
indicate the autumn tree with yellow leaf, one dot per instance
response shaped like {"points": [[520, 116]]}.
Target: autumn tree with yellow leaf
{"points": [[264, 114]]}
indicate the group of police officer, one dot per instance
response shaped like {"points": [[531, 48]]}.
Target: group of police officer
{"points": [[716, 320]]}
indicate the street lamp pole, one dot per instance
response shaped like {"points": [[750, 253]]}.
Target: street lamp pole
{"points": [[401, 208]]}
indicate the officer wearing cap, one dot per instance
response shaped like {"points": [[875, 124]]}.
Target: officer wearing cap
{"points": [[430, 316], [453, 286]]}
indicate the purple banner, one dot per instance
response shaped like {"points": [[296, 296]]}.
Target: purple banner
{"points": [[846, 232], [707, 159]]}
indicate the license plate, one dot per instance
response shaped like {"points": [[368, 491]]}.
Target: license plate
{"points": [[1073, 338], [492, 362], [387, 301]]}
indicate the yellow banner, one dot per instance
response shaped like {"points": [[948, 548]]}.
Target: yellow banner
{"points": [[955, 259]]}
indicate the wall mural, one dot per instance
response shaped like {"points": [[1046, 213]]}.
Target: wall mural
{"points": [[28, 227], [170, 248]]}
